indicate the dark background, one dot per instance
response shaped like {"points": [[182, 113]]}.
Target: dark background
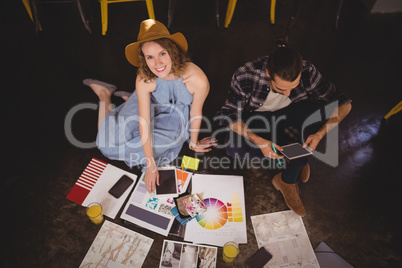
{"points": [[354, 208]]}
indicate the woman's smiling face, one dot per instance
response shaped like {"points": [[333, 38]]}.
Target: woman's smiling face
{"points": [[158, 60]]}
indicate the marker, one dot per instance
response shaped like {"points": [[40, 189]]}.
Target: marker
{"points": [[274, 148]]}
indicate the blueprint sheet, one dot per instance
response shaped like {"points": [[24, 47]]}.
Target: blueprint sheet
{"points": [[283, 234]]}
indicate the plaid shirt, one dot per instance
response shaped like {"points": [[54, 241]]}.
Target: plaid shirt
{"points": [[249, 89]]}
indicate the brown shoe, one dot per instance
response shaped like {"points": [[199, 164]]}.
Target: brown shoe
{"points": [[304, 174], [290, 193]]}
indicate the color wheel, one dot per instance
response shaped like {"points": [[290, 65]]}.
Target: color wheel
{"points": [[216, 215]]}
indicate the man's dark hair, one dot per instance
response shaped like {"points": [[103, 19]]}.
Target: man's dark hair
{"points": [[286, 63]]}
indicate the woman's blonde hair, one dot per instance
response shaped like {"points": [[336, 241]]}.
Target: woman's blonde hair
{"points": [[179, 59]]}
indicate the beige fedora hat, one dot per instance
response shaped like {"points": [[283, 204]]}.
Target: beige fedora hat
{"points": [[150, 30]]}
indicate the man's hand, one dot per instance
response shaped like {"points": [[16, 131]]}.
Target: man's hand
{"points": [[312, 141], [336, 117], [266, 148]]}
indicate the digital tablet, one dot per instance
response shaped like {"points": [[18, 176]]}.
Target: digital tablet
{"points": [[295, 150], [167, 183]]}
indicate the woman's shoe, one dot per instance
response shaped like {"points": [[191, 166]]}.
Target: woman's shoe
{"points": [[110, 87], [122, 94]]}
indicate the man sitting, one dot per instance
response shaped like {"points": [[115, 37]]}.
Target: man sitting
{"points": [[279, 92]]}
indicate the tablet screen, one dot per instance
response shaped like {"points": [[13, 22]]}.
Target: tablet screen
{"points": [[295, 150], [167, 182]]}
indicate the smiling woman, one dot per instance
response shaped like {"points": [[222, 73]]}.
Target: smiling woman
{"points": [[151, 127], [158, 54]]}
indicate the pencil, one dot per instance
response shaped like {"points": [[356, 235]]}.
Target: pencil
{"points": [[182, 172]]}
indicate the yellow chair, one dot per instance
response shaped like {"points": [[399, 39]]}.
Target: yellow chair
{"points": [[231, 7], [394, 110], [28, 8], [104, 3]]}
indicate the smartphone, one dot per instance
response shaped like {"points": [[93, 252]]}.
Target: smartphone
{"points": [[121, 186], [259, 259], [295, 150]]}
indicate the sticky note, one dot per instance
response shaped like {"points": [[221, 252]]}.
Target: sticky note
{"points": [[190, 162]]}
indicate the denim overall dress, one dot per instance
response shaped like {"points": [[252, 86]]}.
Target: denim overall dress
{"points": [[119, 135]]}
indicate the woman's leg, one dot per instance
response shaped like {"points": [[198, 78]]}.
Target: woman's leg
{"points": [[105, 101]]}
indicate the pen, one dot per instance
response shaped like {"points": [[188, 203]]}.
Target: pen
{"points": [[274, 148], [182, 172]]}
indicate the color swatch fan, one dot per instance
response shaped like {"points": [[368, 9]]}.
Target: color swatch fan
{"points": [[216, 215]]}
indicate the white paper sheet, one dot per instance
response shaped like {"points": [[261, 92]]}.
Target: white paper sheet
{"points": [[149, 211], [94, 184], [225, 218], [116, 246], [283, 234], [110, 204]]}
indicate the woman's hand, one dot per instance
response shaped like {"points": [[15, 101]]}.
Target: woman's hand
{"points": [[203, 145], [151, 177]]}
